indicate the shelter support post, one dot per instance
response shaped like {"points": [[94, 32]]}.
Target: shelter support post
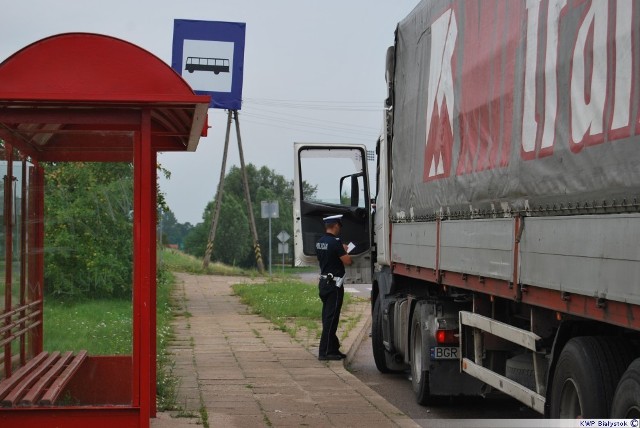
{"points": [[8, 251], [23, 258], [35, 263], [144, 275]]}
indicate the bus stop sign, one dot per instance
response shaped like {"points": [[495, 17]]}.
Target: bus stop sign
{"points": [[209, 55]]}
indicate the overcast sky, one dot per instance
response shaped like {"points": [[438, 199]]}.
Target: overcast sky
{"points": [[314, 72]]}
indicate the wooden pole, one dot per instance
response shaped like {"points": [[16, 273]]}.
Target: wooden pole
{"points": [[252, 222], [216, 211]]}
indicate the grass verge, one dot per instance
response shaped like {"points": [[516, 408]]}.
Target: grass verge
{"points": [[292, 306], [102, 327], [177, 261]]}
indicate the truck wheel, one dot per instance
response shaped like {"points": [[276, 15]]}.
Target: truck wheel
{"points": [[626, 401], [586, 376], [377, 338], [419, 374]]}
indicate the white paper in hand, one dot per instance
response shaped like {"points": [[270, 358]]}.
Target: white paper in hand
{"points": [[350, 247]]}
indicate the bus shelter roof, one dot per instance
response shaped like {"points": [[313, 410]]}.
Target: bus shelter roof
{"points": [[80, 97]]}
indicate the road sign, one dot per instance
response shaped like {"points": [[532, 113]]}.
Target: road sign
{"points": [[270, 209], [209, 55], [283, 248], [283, 236]]}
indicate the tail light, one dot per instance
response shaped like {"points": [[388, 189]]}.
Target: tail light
{"points": [[447, 337]]}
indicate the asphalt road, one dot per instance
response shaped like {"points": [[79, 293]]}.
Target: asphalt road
{"points": [[396, 389]]}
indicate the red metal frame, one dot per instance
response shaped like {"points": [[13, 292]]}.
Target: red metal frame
{"points": [[8, 250], [35, 263], [127, 106]]}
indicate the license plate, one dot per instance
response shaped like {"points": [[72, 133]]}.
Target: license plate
{"points": [[445, 353]]}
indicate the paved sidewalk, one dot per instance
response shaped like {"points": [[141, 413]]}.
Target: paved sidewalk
{"points": [[237, 370]]}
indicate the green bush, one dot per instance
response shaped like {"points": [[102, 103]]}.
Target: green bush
{"points": [[88, 230]]}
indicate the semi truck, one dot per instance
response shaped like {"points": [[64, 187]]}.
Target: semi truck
{"points": [[502, 240]]}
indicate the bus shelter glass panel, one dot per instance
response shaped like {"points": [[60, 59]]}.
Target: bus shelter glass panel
{"points": [[21, 313], [88, 277]]}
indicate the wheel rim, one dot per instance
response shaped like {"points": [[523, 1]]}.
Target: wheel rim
{"points": [[417, 355], [570, 407]]}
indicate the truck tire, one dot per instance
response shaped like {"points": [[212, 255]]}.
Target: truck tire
{"points": [[377, 341], [419, 374], [626, 401], [586, 376]]}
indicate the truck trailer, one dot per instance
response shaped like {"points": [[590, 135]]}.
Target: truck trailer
{"points": [[503, 239]]}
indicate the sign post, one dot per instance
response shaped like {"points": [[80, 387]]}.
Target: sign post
{"points": [[270, 210], [283, 246]]}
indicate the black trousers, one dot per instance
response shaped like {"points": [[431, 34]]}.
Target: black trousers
{"points": [[332, 298]]}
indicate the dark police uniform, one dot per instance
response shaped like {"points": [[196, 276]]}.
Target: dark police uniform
{"points": [[329, 249]]}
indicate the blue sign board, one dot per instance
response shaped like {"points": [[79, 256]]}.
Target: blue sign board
{"points": [[209, 55]]}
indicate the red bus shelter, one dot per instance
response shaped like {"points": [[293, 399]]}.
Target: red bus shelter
{"points": [[82, 97]]}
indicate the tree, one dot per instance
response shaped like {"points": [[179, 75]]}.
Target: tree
{"points": [[264, 185], [195, 242], [172, 232], [233, 242], [88, 230]]}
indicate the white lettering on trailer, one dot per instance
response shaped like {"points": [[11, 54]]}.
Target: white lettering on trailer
{"points": [[529, 121], [588, 86], [590, 53], [624, 66], [587, 112]]}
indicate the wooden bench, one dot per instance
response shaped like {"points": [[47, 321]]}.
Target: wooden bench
{"points": [[41, 380]]}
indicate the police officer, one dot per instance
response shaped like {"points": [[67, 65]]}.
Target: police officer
{"points": [[332, 257]]}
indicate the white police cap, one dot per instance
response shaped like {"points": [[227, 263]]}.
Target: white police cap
{"points": [[333, 219]]}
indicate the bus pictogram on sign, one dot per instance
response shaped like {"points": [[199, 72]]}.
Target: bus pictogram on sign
{"points": [[216, 65]]}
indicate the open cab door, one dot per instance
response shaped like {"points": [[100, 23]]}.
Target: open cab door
{"points": [[332, 179]]}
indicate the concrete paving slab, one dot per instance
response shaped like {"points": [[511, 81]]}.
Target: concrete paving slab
{"points": [[237, 370]]}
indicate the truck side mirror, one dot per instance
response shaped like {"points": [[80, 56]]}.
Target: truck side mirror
{"points": [[350, 195], [355, 191]]}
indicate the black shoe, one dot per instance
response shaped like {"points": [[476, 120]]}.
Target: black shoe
{"points": [[343, 356], [333, 357]]}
